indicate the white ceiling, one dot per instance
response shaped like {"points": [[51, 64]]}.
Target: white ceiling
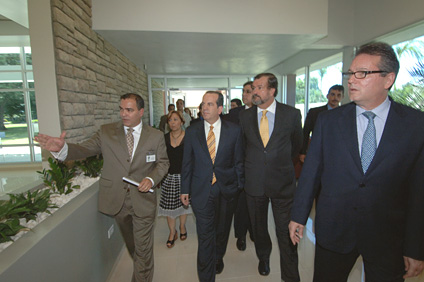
{"points": [[206, 53]]}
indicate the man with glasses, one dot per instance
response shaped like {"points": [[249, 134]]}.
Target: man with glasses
{"points": [[369, 158], [334, 96]]}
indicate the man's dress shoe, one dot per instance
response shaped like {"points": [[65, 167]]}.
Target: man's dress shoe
{"points": [[219, 266], [263, 267], [241, 243]]}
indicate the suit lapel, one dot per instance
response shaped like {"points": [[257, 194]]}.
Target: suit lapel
{"points": [[254, 123], [347, 125], [144, 137], [277, 122], [222, 140], [202, 137], [123, 149], [392, 130]]}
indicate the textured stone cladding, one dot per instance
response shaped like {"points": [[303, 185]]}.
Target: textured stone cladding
{"points": [[91, 73]]}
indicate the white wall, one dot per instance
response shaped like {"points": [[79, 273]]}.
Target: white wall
{"points": [[44, 66], [353, 25], [221, 16]]}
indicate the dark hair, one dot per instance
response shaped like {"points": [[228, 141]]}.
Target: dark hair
{"points": [[272, 81], [237, 101], [388, 62], [248, 83], [220, 100], [336, 87], [179, 114], [181, 101], [138, 99], [169, 107]]}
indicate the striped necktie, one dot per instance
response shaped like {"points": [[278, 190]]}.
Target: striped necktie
{"points": [[211, 147]]}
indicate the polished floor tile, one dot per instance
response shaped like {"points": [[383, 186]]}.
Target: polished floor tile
{"points": [[179, 263]]}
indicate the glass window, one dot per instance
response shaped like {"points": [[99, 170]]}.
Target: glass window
{"points": [[11, 80], [18, 115], [28, 58], [300, 91], [323, 75], [409, 86], [10, 59]]}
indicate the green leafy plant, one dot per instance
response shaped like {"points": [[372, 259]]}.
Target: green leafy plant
{"points": [[91, 166], [9, 228], [59, 177], [27, 205]]}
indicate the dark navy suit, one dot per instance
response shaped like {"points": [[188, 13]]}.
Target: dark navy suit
{"points": [[212, 204], [380, 214]]}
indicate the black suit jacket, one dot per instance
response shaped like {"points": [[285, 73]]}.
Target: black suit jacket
{"points": [[197, 171], [309, 125], [380, 210], [269, 171], [234, 114]]}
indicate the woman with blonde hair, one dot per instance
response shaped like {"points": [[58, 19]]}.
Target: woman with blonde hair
{"points": [[170, 204]]}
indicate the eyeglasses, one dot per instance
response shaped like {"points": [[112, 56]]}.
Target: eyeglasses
{"points": [[360, 74]]}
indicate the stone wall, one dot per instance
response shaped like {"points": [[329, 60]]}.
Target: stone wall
{"points": [[91, 73]]}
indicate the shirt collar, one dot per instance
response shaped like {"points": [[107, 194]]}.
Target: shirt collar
{"points": [[137, 129], [270, 109], [215, 125], [379, 111]]}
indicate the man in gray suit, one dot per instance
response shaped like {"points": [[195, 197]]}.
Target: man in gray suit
{"points": [[131, 149], [273, 136]]}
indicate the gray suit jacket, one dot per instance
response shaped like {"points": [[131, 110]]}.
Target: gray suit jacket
{"points": [[110, 141]]}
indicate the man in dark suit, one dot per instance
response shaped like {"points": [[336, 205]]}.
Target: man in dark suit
{"points": [[273, 136], [212, 174], [241, 214], [163, 125], [235, 103], [368, 156], [334, 96], [144, 161]]}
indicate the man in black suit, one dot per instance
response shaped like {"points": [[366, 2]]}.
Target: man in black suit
{"points": [[241, 214], [334, 96], [235, 103], [212, 174], [368, 156], [163, 125], [273, 136]]}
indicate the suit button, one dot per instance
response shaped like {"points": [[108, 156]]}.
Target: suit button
{"points": [[265, 151], [362, 185], [355, 208]]}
